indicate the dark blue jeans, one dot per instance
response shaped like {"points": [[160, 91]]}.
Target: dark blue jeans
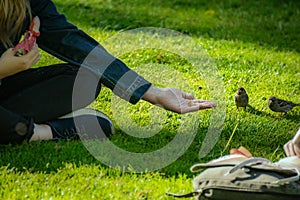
{"points": [[39, 95]]}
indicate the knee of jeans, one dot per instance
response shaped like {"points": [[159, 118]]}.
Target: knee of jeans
{"points": [[21, 128], [24, 130], [87, 83]]}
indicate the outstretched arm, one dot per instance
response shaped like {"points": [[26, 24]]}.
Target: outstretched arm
{"points": [[66, 42]]}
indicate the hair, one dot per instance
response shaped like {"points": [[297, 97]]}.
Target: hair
{"points": [[12, 16]]}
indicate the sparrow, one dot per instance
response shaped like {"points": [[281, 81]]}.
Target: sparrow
{"points": [[280, 105], [241, 98]]}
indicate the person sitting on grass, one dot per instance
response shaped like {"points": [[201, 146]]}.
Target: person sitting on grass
{"points": [[32, 100]]}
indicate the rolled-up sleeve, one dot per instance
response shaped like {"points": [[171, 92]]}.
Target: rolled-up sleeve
{"points": [[66, 42]]}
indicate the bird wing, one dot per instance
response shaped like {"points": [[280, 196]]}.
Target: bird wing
{"points": [[283, 103]]}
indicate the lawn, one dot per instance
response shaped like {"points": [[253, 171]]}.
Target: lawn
{"points": [[254, 44]]}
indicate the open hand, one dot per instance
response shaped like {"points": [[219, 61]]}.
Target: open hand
{"points": [[176, 100]]}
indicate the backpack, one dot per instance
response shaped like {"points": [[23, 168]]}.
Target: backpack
{"points": [[236, 177]]}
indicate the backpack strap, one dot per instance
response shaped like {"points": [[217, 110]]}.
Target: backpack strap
{"points": [[188, 195], [252, 161], [247, 162]]}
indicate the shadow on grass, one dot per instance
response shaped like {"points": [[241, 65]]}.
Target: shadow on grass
{"points": [[45, 156], [291, 116], [48, 156], [254, 111], [268, 23]]}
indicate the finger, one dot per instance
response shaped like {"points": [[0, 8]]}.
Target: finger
{"points": [[34, 53], [296, 139], [35, 47], [198, 101], [36, 59], [286, 150], [188, 96], [190, 109], [12, 51], [202, 104], [206, 106], [32, 56], [196, 107], [292, 150], [289, 149], [245, 151], [297, 150]]}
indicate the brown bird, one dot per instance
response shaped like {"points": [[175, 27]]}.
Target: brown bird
{"points": [[241, 98], [280, 105]]}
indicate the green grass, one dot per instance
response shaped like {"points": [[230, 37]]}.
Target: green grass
{"points": [[254, 44]]}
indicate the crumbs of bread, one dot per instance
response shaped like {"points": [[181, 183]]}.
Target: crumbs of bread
{"points": [[191, 103]]}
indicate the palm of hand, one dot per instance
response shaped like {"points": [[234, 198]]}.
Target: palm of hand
{"points": [[181, 102]]}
